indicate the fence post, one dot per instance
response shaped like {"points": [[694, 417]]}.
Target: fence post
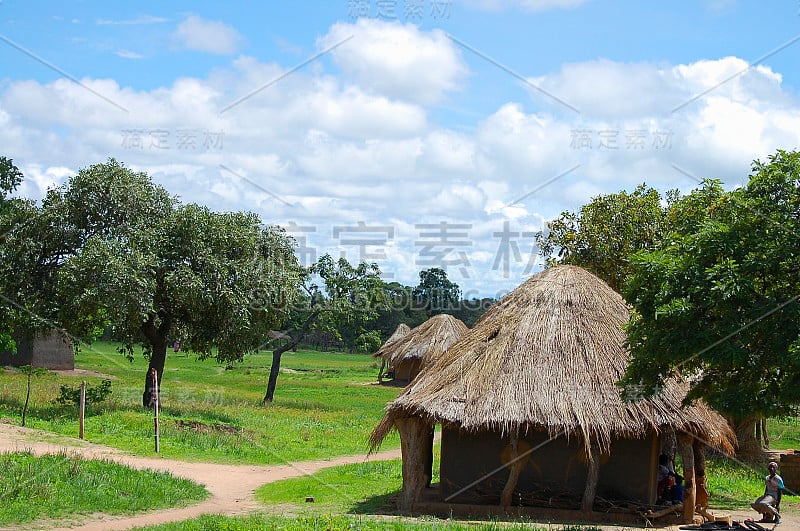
{"points": [[82, 408], [155, 405]]}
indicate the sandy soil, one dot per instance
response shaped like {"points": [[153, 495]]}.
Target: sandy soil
{"points": [[231, 486]]}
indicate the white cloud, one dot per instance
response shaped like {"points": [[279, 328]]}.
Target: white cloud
{"points": [[396, 60], [609, 89], [39, 179], [144, 19], [127, 54], [211, 36], [324, 148]]}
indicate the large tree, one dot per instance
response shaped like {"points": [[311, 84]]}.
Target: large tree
{"points": [[334, 295], [191, 277], [603, 235], [718, 303], [435, 292], [111, 250], [102, 201]]}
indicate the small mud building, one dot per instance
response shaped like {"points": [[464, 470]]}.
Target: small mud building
{"points": [[51, 350]]}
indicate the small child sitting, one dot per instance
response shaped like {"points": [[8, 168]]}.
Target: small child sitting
{"points": [[677, 489]]}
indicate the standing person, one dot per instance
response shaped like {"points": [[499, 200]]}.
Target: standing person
{"points": [[770, 503]]}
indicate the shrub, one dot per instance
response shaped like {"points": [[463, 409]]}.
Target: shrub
{"points": [[94, 395]]}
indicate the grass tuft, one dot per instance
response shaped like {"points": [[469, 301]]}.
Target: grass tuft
{"points": [[57, 486]]}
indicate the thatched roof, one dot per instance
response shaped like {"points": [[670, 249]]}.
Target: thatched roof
{"points": [[426, 342], [548, 356], [401, 330]]}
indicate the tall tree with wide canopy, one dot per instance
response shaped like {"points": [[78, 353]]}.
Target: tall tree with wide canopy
{"points": [[101, 201], [607, 231], [719, 302], [111, 250], [13, 212], [190, 277]]}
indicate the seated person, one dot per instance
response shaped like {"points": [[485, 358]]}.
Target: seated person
{"points": [[676, 494], [769, 504], [665, 478]]}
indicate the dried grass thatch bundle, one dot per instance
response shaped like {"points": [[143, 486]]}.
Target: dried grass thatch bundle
{"points": [[424, 343], [548, 356]]}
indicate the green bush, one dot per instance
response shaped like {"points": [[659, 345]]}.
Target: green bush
{"points": [[94, 395]]}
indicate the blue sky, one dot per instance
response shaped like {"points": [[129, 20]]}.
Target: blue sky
{"points": [[419, 134]]}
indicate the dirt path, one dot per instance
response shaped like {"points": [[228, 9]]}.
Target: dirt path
{"points": [[231, 486]]}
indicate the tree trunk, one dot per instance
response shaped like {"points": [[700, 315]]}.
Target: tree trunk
{"points": [[699, 451], [414, 446], [429, 456], [701, 489], [278, 352], [275, 369], [157, 362], [27, 395], [380, 371], [669, 445], [764, 433], [749, 449], [506, 497]]}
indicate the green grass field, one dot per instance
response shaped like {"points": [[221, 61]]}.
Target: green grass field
{"points": [[326, 404]]}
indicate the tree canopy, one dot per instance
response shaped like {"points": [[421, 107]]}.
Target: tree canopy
{"points": [[12, 213], [111, 250], [334, 296], [607, 231], [718, 303], [435, 292]]}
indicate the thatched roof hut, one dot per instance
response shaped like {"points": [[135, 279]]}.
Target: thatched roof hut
{"points": [[407, 355], [539, 371], [401, 330]]}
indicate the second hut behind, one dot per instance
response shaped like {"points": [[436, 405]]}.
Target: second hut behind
{"points": [[405, 356]]}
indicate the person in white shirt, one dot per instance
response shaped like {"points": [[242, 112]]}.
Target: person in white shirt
{"points": [[770, 503]]}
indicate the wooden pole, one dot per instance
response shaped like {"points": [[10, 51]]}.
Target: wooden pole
{"points": [[155, 406], [513, 476], [414, 440], [82, 409], [592, 476], [700, 488], [685, 441]]}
